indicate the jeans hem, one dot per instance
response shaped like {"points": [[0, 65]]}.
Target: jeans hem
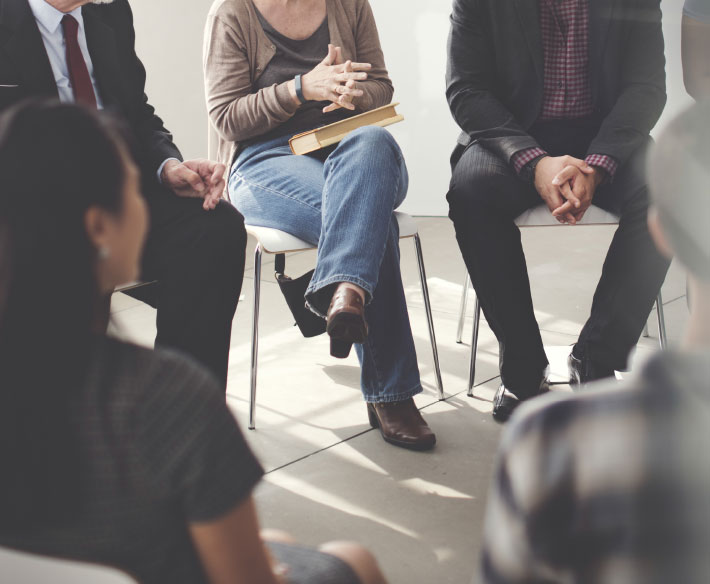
{"points": [[314, 287], [389, 398]]}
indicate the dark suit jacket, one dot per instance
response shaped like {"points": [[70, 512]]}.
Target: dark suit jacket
{"points": [[494, 79], [25, 71]]}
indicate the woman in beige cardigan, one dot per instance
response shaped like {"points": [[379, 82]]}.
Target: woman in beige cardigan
{"points": [[274, 68]]}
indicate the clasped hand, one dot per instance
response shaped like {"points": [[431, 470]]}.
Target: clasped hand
{"points": [[203, 179], [334, 80], [567, 185]]}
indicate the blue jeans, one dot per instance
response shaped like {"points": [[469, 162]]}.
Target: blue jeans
{"points": [[344, 206]]}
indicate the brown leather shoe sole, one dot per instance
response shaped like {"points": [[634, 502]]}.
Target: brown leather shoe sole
{"points": [[346, 322], [344, 329]]}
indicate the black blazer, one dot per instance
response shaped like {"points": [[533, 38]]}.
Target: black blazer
{"points": [[25, 71], [494, 78]]}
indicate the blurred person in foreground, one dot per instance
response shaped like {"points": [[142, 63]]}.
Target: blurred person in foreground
{"points": [[612, 484], [696, 48], [112, 453]]}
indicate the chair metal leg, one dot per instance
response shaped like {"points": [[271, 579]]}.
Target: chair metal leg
{"points": [[645, 333], [255, 335], [462, 310], [474, 346], [661, 321], [430, 319]]}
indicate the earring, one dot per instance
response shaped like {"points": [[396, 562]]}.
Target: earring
{"points": [[104, 252]]}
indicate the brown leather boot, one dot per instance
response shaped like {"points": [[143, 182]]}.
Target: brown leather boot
{"points": [[401, 424], [346, 321]]}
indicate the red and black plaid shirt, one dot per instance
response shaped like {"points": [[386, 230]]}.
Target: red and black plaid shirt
{"points": [[564, 25]]}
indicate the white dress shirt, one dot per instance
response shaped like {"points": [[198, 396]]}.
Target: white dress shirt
{"points": [[49, 21]]}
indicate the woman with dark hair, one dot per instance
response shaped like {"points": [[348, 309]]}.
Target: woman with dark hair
{"points": [[273, 69], [112, 453]]}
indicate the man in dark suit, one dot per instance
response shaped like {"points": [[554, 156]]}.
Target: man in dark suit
{"points": [[83, 51], [556, 99]]}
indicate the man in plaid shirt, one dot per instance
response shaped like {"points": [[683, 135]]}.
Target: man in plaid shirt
{"points": [[613, 484], [555, 99]]}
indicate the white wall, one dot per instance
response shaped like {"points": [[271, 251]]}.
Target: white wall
{"points": [[413, 34]]}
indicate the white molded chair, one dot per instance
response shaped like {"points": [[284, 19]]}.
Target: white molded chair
{"points": [[274, 241], [23, 568], [541, 217]]}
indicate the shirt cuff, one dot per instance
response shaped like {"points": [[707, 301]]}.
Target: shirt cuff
{"points": [[606, 163], [523, 157], [160, 168]]}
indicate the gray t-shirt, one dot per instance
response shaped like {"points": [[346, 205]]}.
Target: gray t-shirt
{"points": [[698, 10], [161, 450], [293, 57]]}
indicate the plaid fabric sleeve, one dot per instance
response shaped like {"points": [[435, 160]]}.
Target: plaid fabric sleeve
{"points": [[606, 163], [523, 157]]}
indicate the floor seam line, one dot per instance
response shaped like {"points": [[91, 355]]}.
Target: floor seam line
{"points": [[306, 456]]}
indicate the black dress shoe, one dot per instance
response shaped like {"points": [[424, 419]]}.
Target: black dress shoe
{"points": [[504, 402], [582, 371]]}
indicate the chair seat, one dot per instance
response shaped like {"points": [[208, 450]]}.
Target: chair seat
{"points": [[540, 216], [131, 285], [407, 225], [276, 241]]}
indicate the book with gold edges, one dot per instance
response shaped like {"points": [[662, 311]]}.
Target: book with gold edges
{"points": [[333, 133]]}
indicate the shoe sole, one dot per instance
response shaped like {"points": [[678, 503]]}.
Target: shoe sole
{"points": [[345, 329]]}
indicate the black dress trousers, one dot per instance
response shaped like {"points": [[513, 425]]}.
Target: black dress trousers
{"points": [[486, 196], [197, 258]]}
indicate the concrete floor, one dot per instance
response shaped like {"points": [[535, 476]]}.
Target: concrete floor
{"points": [[329, 476]]}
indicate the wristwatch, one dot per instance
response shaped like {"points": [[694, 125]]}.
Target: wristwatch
{"points": [[299, 89], [528, 172]]}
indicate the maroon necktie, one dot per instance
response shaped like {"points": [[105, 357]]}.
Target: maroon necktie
{"points": [[78, 73]]}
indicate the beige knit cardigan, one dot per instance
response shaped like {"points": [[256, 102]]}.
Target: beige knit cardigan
{"points": [[236, 52]]}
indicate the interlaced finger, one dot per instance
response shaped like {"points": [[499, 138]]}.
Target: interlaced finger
{"points": [[345, 76], [568, 194], [354, 67], [345, 90]]}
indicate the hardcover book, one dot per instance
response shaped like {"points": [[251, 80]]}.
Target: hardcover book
{"points": [[333, 133]]}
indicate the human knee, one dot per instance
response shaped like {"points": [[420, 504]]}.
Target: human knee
{"points": [[277, 536], [374, 139], [227, 230], [470, 192], [358, 558]]}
